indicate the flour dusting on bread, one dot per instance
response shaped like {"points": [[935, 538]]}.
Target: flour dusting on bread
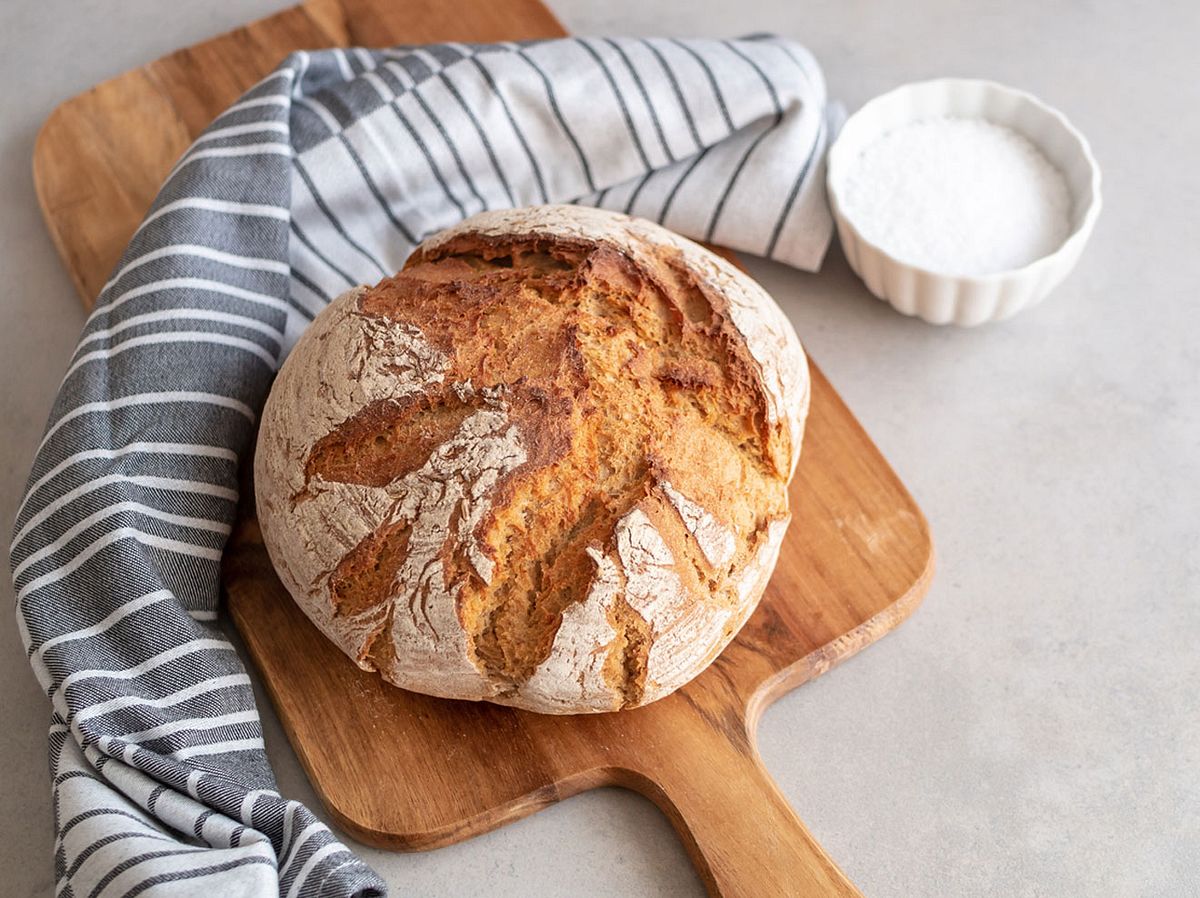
{"points": [[546, 464]]}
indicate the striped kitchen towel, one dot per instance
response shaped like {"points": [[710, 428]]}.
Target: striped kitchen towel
{"points": [[323, 176]]}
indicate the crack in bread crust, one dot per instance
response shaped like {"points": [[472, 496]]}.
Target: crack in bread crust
{"points": [[545, 464]]}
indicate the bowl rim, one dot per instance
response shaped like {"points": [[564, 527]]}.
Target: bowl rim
{"points": [[1075, 240]]}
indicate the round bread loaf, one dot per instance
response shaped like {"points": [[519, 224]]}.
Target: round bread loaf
{"points": [[545, 465]]}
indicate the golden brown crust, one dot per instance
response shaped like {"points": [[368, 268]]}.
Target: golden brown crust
{"points": [[561, 487]]}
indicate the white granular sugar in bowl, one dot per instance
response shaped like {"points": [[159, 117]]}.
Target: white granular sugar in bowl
{"points": [[958, 196]]}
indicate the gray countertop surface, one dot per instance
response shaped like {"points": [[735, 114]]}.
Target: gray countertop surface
{"points": [[1034, 729]]}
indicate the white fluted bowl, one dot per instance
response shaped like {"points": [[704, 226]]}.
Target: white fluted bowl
{"points": [[965, 299]]}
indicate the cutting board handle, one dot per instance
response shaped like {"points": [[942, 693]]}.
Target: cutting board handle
{"points": [[741, 833]]}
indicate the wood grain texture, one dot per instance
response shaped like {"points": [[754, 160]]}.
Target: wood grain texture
{"points": [[408, 771]]}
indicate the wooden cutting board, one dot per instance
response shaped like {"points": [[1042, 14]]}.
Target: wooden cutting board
{"points": [[406, 771]]}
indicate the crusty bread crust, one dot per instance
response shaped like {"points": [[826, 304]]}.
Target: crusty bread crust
{"points": [[768, 334], [546, 464]]}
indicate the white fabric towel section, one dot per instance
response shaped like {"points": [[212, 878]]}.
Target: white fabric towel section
{"points": [[324, 175]]}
